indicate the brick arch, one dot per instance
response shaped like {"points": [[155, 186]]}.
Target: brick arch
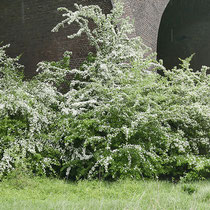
{"points": [[147, 15]]}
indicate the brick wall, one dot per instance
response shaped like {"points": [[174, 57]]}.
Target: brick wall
{"points": [[27, 24]]}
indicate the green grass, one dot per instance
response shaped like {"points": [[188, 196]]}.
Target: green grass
{"points": [[45, 193]]}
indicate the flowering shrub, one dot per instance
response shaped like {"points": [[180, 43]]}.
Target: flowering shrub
{"points": [[27, 110], [117, 118]]}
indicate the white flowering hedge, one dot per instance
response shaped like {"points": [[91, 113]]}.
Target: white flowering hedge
{"points": [[113, 118]]}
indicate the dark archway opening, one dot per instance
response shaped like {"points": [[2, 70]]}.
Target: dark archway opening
{"points": [[27, 25], [184, 30]]}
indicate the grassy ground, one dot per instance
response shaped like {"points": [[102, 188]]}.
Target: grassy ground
{"points": [[43, 193]]}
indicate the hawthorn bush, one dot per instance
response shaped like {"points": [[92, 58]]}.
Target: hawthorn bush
{"points": [[117, 118]]}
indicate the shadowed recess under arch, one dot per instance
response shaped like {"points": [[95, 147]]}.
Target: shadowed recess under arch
{"points": [[184, 30]]}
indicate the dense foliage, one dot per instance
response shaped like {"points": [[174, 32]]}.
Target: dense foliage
{"points": [[116, 117]]}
